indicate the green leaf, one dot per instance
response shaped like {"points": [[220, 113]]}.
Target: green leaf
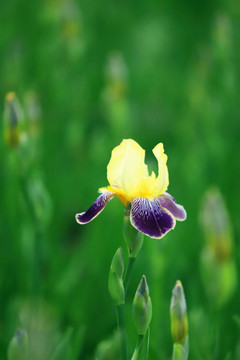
{"points": [[62, 350], [18, 348]]}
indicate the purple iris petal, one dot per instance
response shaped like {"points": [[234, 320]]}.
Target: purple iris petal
{"points": [[149, 217], [168, 202], [96, 208]]}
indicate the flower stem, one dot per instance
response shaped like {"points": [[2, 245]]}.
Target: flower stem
{"points": [[138, 349], [37, 237], [128, 274], [122, 331]]}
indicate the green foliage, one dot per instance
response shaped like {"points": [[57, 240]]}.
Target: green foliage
{"points": [[109, 349], [18, 347], [88, 74]]}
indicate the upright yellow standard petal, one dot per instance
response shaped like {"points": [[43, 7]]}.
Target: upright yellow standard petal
{"points": [[126, 169], [162, 179], [128, 174]]}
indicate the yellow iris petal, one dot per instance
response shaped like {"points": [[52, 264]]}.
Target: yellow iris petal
{"points": [[126, 168], [118, 191], [162, 179], [128, 174]]}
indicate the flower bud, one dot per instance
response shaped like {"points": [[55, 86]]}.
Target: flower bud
{"points": [[115, 280], [18, 347], [13, 120], [142, 307], [217, 264], [216, 225], [178, 314], [180, 351], [132, 237]]}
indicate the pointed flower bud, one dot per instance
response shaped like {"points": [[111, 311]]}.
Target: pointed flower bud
{"points": [[178, 313], [18, 347], [180, 351], [132, 237], [142, 307], [115, 280], [13, 120]]}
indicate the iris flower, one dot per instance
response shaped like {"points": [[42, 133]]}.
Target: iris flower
{"points": [[153, 211]]}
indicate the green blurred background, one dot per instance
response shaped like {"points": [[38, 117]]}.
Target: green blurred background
{"points": [[87, 75]]}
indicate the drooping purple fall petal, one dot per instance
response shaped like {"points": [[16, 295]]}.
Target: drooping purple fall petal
{"points": [[95, 209], [149, 217], [168, 202]]}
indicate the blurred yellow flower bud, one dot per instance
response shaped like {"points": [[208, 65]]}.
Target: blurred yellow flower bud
{"points": [[218, 268], [178, 313], [13, 120], [216, 225]]}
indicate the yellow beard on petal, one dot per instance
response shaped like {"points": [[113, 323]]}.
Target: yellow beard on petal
{"points": [[120, 194]]}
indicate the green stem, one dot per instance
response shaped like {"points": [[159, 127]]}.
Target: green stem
{"points": [[37, 237], [128, 274], [122, 331], [37, 262], [140, 339], [138, 349]]}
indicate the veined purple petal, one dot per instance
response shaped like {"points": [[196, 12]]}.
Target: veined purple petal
{"points": [[149, 217], [168, 202], [96, 208]]}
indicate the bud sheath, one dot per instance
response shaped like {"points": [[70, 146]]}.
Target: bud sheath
{"points": [[178, 313], [142, 307], [115, 280]]}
